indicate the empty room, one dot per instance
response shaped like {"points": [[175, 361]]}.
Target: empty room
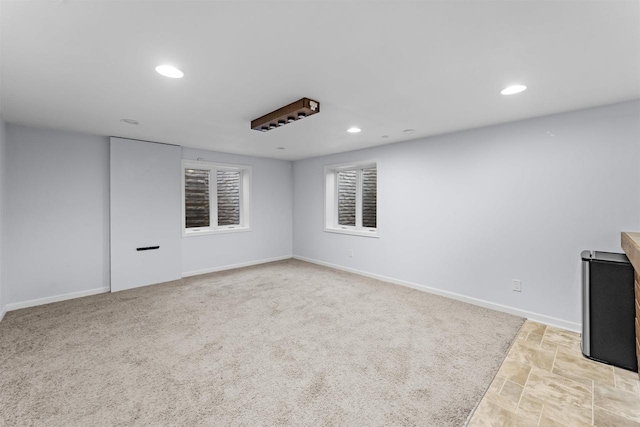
{"points": [[319, 213]]}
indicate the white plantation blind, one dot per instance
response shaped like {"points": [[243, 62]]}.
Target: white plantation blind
{"points": [[196, 192], [216, 198], [369, 197], [347, 197], [353, 191], [228, 197], [351, 198]]}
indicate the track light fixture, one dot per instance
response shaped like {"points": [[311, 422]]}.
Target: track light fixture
{"points": [[300, 109]]}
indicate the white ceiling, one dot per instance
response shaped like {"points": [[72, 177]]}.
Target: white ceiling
{"points": [[385, 66]]}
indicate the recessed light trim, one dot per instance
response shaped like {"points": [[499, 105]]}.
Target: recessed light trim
{"points": [[354, 129], [513, 89], [170, 71], [130, 121], [409, 131]]}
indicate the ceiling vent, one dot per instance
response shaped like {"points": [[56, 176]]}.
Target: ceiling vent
{"points": [[300, 109]]}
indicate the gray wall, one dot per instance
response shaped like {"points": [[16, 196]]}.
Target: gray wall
{"points": [[466, 213], [463, 213], [57, 214], [272, 215], [3, 168]]}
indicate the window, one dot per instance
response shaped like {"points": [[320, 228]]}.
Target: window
{"points": [[351, 193], [215, 198]]}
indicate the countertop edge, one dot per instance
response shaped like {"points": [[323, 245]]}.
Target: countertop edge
{"points": [[630, 243]]}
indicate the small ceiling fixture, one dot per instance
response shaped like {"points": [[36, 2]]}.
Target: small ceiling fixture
{"points": [[280, 148], [354, 130], [409, 131], [130, 121], [300, 109], [512, 90], [169, 71]]}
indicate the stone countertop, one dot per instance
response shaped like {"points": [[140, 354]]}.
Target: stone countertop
{"points": [[631, 246]]}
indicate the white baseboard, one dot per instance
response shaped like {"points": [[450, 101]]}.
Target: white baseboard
{"points": [[56, 298], [547, 320], [232, 266]]}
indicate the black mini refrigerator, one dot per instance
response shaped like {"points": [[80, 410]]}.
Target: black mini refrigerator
{"points": [[608, 311]]}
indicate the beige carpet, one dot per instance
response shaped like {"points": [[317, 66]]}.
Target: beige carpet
{"points": [[286, 343]]}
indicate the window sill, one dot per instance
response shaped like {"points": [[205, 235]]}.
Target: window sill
{"points": [[361, 233], [208, 232]]}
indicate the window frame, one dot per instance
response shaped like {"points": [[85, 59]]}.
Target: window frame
{"points": [[244, 198], [331, 199]]}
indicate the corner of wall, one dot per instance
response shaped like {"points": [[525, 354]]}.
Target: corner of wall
{"points": [[3, 145], [292, 190]]}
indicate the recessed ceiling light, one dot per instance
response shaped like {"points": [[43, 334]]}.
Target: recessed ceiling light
{"points": [[280, 148], [130, 121], [354, 130], [169, 71], [384, 136], [511, 90], [409, 131]]}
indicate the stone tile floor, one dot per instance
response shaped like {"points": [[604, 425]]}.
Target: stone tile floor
{"points": [[546, 381]]}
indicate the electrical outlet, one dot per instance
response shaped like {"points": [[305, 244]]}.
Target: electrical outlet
{"points": [[350, 253], [517, 285]]}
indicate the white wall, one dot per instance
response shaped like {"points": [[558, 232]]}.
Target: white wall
{"points": [[271, 230], [57, 217], [3, 146], [466, 213], [57, 214]]}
